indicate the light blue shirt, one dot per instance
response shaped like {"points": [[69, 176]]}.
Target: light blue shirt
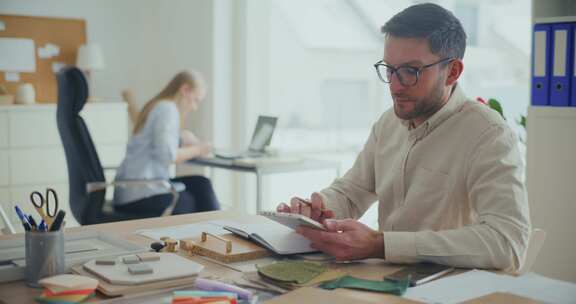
{"points": [[150, 153]]}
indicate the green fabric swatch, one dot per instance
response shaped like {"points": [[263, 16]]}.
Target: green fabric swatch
{"points": [[392, 287], [299, 272]]}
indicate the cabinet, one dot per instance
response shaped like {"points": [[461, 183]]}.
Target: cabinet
{"points": [[32, 157], [551, 167]]}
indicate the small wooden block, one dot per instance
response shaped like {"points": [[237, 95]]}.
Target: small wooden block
{"points": [[130, 259], [106, 261], [186, 244], [242, 250], [148, 256], [171, 245], [140, 269]]}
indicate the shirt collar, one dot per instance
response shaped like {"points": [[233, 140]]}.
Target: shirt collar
{"points": [[457, 98]]}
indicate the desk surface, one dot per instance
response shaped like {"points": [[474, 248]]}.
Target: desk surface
{"points": [[18, 292]]}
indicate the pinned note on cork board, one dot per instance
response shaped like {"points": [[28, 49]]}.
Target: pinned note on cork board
{"points": [[56, 42]]}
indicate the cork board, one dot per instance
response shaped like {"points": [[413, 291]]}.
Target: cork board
{"points": [[67, 34]]}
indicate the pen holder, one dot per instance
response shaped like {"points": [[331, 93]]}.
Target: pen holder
{"points": [[44, 255]]}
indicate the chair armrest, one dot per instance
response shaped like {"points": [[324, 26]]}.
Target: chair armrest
{"points": [[96, 186]]}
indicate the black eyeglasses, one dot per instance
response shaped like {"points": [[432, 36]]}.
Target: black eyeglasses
{"points": [[407, 75]]}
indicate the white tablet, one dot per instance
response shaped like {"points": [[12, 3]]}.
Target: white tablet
{"points": [[292, 220]]}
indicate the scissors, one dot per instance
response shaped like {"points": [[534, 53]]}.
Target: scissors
{"points": [[43, 204]]}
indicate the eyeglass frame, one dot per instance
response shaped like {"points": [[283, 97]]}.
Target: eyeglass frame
{"points": [[394, 70]]}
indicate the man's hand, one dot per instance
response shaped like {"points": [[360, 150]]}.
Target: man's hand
{"points": [[346, 240], [314, 209]]}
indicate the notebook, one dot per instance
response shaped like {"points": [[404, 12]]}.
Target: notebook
{"points": [[274, 236], [261, 138]]}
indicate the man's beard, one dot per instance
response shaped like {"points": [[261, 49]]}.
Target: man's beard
{"points": [[424, 107]]}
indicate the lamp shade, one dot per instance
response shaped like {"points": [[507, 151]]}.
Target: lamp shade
{"points": [[90, 57]]}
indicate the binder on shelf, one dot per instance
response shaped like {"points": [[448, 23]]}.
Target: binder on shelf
{"points": [[562, 55], [573, 74], [541, 45]]}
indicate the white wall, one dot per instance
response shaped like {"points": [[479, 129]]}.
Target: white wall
{"points": [[145, 42]]}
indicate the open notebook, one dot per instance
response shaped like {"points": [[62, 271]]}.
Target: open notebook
{"points": [[274, 236]]}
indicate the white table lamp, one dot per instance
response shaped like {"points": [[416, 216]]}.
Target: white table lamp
{"points": [[90, 59]]}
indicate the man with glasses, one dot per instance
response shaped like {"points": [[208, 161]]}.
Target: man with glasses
{"points": [[445, 170]]}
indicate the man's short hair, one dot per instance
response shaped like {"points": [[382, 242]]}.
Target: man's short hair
{"points": [[444, 32]]}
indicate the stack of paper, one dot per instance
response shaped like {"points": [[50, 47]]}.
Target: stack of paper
{"points": [[196, 296], [478, 283], [67, 288]]}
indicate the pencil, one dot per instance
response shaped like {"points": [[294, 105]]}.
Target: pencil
{"points": [[309, 203]]}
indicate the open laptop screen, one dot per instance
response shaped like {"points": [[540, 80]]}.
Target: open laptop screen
{"points": [[263, 133]]}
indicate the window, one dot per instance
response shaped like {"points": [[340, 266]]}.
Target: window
{"points": [[324, 89], [468, 15], [321, 77]]}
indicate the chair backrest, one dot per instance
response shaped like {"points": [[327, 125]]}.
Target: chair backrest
{"points": [[81, 157], [537, 238]]}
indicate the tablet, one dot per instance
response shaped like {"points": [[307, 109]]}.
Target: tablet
{"points": [[292, 220]]}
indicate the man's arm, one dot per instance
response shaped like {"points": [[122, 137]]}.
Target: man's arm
{"points": [[500, 238]]}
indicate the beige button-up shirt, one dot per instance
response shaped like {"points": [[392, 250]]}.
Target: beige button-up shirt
{"points": [[450, 191]]}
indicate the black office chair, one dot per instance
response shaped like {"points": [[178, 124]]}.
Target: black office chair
{"points": [[87, 184]]}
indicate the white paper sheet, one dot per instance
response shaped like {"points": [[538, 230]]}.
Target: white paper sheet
{"points": [[49, 50], [17, 55], [12, 76], [541, 288], [57, 66], [184, 231], [477, 283]]}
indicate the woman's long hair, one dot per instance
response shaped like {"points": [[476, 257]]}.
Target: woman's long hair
{"points": [[170, 92]]}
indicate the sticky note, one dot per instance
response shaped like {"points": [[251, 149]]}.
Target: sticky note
{"points": [[140, 269], [130, 259]]}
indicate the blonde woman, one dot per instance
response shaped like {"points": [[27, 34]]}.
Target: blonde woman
{"points": [[156, 144]]}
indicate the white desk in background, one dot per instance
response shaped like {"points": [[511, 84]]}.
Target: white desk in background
{"points": [[266, 165]]}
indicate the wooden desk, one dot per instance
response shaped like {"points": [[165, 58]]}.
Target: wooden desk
{"points": [[18, 292]]}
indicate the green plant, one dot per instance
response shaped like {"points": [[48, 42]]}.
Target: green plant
{"points": [[496, 106]]}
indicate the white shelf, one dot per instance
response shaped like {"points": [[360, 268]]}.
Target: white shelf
{"points": [[551, 166], [553, 11], [551, 180], [539, 20], [31, 153], [552, 112]]}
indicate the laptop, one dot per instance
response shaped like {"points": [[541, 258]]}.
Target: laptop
{"points": [[261, 138]]}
